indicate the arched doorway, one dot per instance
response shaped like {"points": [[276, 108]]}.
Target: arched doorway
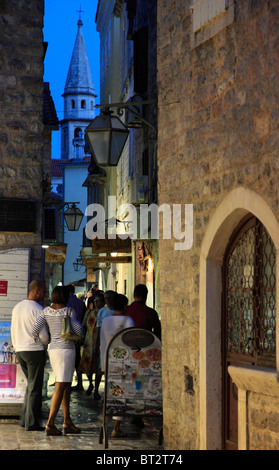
{"points": [[235, 206], [249, 315]]}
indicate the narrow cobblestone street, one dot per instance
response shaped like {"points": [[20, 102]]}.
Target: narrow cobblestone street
{"points": [[88, 415]]}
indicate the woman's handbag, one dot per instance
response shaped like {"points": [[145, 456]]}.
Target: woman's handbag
{"points": [[67, 331]]}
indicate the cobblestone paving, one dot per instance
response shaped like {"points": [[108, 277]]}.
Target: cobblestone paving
{"points": [[86, 414]]}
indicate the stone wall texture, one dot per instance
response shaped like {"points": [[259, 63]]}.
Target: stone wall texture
{"points": [[21, 121], [218, 129], [263, 422]]}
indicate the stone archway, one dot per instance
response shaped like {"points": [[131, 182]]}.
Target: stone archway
{"points": [[228, 214]]}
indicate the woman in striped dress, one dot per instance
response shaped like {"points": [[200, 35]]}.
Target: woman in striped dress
{"points": [[62, 357]]}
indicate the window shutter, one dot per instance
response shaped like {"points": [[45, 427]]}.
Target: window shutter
{"points": [[50, 223], [206, 10], [141, 60]]}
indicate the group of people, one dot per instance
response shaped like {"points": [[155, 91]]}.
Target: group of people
{"points": [[36, 329]]}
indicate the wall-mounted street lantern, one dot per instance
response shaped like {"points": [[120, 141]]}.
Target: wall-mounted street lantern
{"points": [[77, 264], [73, 216], [107, 134]]}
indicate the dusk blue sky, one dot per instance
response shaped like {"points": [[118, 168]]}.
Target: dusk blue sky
{"points": [[60, 30]]}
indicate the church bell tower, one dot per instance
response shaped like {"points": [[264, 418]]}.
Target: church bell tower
{"points": [[79, 101]]}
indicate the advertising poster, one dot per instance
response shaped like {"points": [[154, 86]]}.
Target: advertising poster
{"points": [[134, 378], [12, 379]]}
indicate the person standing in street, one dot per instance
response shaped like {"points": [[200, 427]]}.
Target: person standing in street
{"points": [[61, 355], [79, 309], [76, 304], [111, 325], [90, 360], [30, 355], [106, 311], [143, 316], [108, 308]]}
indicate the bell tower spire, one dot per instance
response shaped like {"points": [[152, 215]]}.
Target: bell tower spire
{"points": [[79, 101], [80, 11]]}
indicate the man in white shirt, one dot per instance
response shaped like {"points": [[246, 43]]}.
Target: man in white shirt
{"points": [[30, 354]]}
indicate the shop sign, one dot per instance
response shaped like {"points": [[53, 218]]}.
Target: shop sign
{"points": [[56, 254], [91, 275], [107, 245], [106, 259], [3, 288]]}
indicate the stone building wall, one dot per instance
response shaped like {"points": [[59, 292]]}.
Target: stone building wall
{"points": [[218, 130], [21, 122], [263, 422]]}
